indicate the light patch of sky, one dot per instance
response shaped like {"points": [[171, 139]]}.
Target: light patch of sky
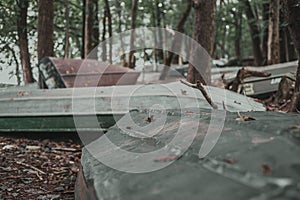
{"points": [[5, 76]]}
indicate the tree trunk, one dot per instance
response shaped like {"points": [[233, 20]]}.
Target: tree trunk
{"points": [[131, 59], [238, 17], [23, 41], [160, 53], [265, 31], [45, 28], [67, 29], [255, 33], [292, 10], [83, 29], [91, 35], [104, 49], [175, 44], [119, 12], [204, 32], [109, 28], [273, 39], [154, 38]]}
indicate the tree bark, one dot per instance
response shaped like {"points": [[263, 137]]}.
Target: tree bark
{"points": [[160, 53], [204, 32], [131, 59], [45, 28], [109, 28], [104, 48], [273, 36], [176, 45], [255, 33], [83, 29], [67, 32], [119, 13], [292, 10], [91, 35], [265, 31], [23, 42], [238, 17]]}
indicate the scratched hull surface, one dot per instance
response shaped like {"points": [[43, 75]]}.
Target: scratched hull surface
{"points": [[252, 160], [22, 103]]}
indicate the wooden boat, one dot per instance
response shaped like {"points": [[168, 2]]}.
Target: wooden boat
{"points": [[30, 109]]}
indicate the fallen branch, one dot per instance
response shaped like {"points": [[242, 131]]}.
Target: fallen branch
{"points": [[241, 75], [200, 87], [32, 167], [66, 149]]}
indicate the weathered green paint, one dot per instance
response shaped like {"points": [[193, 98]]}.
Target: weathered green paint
{"points": [[31, 109], [233, 170], [54, 123]]}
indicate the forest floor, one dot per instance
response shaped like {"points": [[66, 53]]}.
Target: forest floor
{"points": [[38, 169]]}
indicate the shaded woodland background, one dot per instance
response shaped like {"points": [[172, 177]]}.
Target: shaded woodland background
{"points": [[250, 32]]}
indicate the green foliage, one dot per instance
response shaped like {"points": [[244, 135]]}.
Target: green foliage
{"points": [[151, 13]]}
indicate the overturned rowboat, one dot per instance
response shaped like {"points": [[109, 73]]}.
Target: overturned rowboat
{"points": [[69, 73], [263, 86], [30, 109]]}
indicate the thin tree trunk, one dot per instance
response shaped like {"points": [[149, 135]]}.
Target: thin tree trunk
{"points": [[88, 32], [83, 29], [155, 39], [175, 44], [131, 59], [45, 28], [273, 39], [266, 7], [109, 29], [163, 17], [286, 45], [204, 31], [255, 33], [96, 33], [23, 41], [91, 35], [291, 46], [238, 32], [292, 10], [160, 53], [119, 13], [104, 49], [17, 74], [67, 29]]}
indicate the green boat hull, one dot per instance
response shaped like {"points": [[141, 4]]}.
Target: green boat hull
{"points": [[55, 123]]}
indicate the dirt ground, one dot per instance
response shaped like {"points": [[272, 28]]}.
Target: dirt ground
{"points": [[38, 168]]}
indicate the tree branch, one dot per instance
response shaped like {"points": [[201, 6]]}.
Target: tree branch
{"points": [[200, 87]]}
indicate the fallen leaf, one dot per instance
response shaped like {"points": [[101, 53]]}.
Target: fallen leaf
{"points": [[166, 158], [266, 169], [22, 93], [295, 127], [229, 161], [244, 118]]}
